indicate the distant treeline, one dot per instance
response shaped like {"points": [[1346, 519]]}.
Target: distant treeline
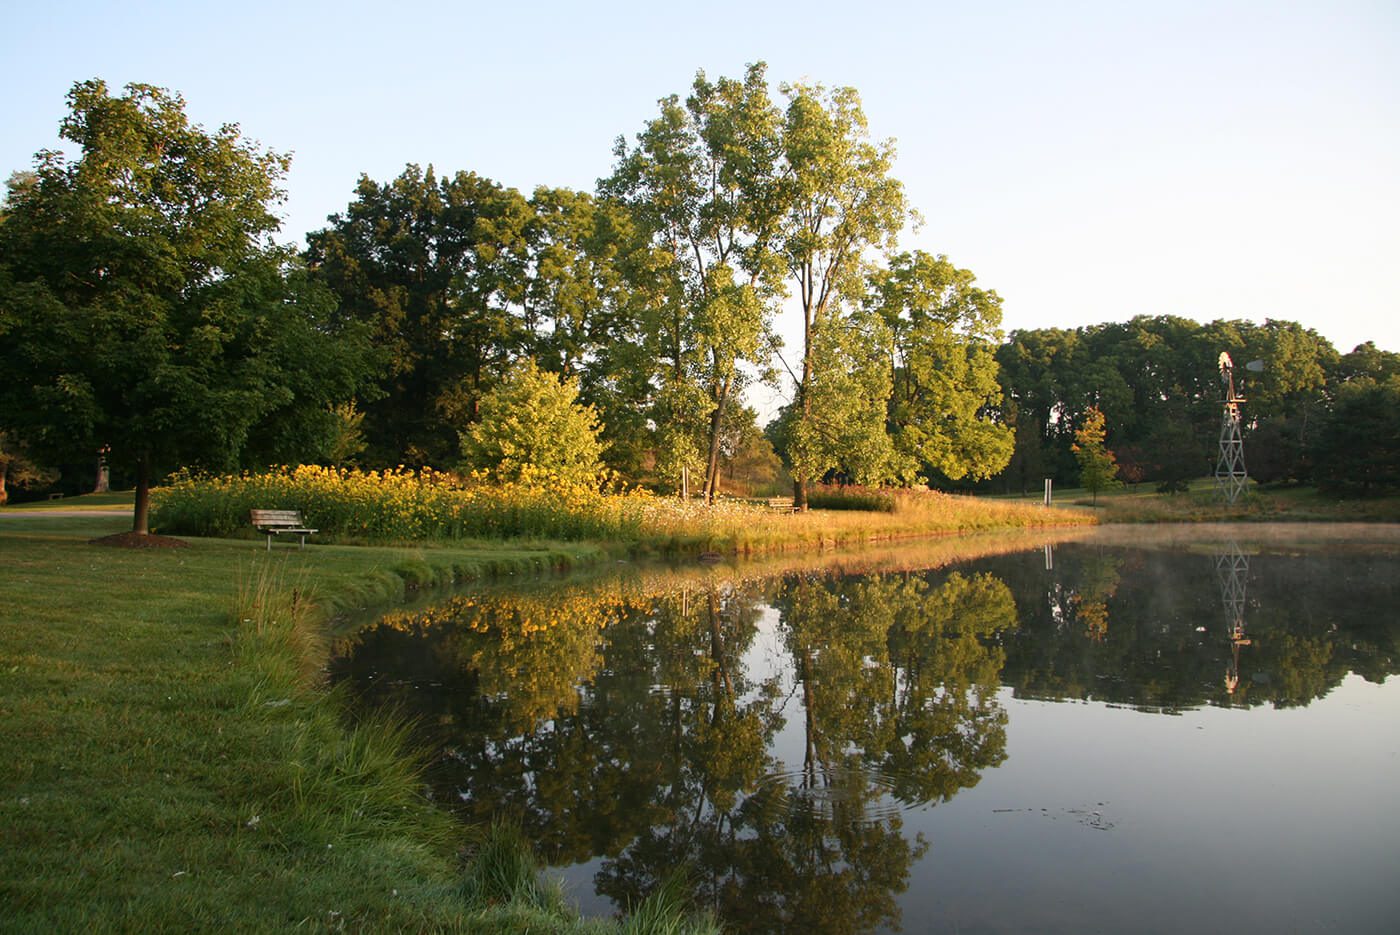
{"points": [[1311, 413]]}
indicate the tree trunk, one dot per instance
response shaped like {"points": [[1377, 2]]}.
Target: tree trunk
{"points": [[809, 760], [724, 687], [4, 472], [140, 522], [799, 484], [716, 424]]}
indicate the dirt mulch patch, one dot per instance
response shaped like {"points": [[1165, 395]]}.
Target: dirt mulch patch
{"points": [[131, 540]]}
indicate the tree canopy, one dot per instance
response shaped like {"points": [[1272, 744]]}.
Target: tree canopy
{"points": [[148, 309], [943, 331], [702, 183]]}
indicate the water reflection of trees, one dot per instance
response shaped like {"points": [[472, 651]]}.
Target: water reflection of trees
{"points": [[634, 730], [647, 724], [1309, 625]]}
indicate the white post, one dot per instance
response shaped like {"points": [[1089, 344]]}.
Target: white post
{"points": [[1048, 483], [685, 484]]}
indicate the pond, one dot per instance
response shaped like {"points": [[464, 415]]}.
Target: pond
{"points": [[1123, 729]]}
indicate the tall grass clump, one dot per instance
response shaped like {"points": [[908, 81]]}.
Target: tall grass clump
{"points": [[277, 635], [870, 499], [339, 782], [503, 869], [665, 912]]}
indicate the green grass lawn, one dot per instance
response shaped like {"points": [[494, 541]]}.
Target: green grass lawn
{"points": [[169, 763], [1202, 503], [112, 501]]}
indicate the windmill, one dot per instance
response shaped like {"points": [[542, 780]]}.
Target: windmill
{"points": [[1230, 473]]}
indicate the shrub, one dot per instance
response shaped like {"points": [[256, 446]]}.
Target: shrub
{"points": [[851, 498], [532, 423]]}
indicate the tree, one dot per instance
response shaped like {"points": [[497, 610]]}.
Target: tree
{"points": [[702, 183], [1358, 448], [1097, 469], [838, 423], [149, 309], [531, 423], [433, 267], [1035, 367], [943, 332], [1364, 360], [840, 201], [1177, 453], [16, 468], [748, 457]]}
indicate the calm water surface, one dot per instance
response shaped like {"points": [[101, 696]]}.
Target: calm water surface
{"points": [[1124, 730]]}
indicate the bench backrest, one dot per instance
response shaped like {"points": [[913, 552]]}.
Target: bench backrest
{"points": [[275, 517]]}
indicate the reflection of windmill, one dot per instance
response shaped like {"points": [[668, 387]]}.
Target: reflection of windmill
{"points": [[1232, 568]]}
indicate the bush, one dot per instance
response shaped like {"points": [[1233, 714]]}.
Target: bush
{"points": [[532, 423], [851, 498]]}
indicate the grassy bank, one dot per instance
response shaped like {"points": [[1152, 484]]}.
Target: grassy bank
{"points": [[1201, 503], [169, 763]]}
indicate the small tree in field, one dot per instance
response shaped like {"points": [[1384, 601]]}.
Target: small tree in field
{"points": [[532, 423], [1097, 468]]}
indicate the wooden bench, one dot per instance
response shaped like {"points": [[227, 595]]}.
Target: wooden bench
{"points": [[277, 522]]}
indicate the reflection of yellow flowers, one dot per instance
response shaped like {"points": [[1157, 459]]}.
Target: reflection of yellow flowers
{"points": [[534, 649]]}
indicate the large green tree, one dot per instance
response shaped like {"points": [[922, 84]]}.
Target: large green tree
{"points": [[459, 276], [702, 182], [943, 332], [1358, 448], [840, 202], [433, 266], [148, 309]]}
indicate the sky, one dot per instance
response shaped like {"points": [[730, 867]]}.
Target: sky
{"points": [[1088, 161]]}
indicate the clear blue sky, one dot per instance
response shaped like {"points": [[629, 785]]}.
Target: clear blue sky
{"points": [[1089, 161]]}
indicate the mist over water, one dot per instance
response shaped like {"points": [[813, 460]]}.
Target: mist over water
{"points": [[1135, 728]]}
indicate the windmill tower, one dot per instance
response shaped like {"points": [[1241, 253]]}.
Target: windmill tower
{"points": [[1230, 475]]}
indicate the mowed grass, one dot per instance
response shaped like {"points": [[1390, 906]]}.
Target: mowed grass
{"points": [[1202, 503], [100, 502], [169, 763]]}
